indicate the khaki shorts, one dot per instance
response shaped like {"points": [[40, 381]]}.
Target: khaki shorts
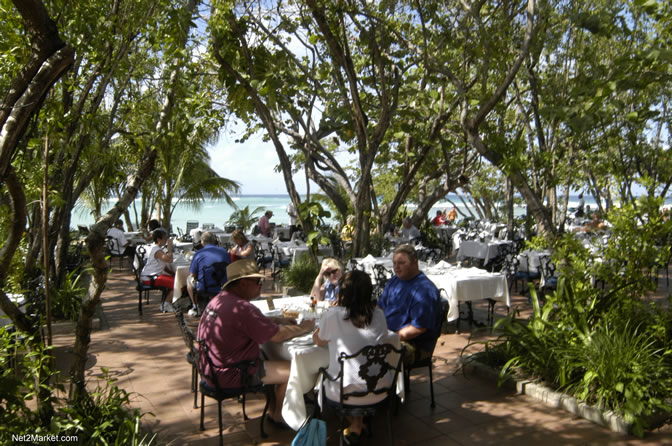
{"points": [[414, 353], [258, 378]]}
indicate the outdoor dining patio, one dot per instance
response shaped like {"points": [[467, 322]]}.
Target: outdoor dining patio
{"points": [[146, 354]]}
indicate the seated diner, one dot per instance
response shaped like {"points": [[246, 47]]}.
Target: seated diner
{"points": [[355, 323], [160, 266], [412, 305], [233, 330]]}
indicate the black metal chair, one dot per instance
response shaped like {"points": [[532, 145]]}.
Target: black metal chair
{"points": [[143, 288], [354, 266], [209, 387], [214, 276], [381, 275], [509, 268], [548, 277], [280, 262], [427, 362], [263, 257], [75, 257], [192, 356], [114, 250], [372, 363]]}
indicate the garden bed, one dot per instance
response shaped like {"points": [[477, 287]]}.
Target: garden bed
{"points": [[551, 398]]}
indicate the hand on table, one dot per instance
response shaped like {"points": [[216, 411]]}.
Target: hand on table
{"points": [[280, 320], [307, 325]]}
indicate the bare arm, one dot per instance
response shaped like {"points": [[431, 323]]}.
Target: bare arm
{"points": [[168, 258], [319, 341], [289, 331], [409, 332], [318, 286], [247, 251]]}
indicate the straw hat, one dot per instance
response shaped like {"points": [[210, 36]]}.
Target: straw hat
{"points": [[242, 269]]}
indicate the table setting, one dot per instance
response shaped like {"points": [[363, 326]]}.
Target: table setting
{"points": [[485, 250], [297, 250], [306, 358], [467, 284]]}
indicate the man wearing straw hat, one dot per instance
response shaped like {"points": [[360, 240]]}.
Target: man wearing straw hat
{"points": [[233, 329]]}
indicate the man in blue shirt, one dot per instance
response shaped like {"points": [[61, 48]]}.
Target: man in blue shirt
{"points": [[208, 271], [412, 305]]}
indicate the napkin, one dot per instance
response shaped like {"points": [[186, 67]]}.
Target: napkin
{"points": [[443, 264], [306, 339]]}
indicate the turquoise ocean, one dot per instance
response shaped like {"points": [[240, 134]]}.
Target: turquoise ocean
{"points": [[218, 212]]}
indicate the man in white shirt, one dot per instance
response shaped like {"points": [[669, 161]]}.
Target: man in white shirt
{"points": [[291, 211], [121, 245], [408, 230]]}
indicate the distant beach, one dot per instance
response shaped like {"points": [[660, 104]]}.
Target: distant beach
{"points": [[218, 212]]}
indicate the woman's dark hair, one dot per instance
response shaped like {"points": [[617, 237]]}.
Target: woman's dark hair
{"points": [[354, 294], [153, 224], [159, 234]]}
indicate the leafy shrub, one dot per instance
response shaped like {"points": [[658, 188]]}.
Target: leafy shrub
{"points": [[614, 368], [301, 275], [101, 418], [67, 300], [604, 346]]}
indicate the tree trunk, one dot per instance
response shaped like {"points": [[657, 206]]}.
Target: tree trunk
{"points": [[95, 241]]}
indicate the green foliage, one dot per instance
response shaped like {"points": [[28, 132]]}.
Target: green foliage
{"points": [[301, 275], [22, 375], [615, 367], [313, 214], [244, 218], [604, 346], [101, 418], [67, 300]]}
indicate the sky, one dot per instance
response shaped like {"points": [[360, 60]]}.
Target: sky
{"points": [[252, 164]]}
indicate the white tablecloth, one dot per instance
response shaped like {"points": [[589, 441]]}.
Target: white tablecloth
{"points": [[181, 275], [306, 359], [282, 232], [528, 260], [196, 233], [467, 284], [480, 250], [298, 250], [223, 237], [185, 246]]}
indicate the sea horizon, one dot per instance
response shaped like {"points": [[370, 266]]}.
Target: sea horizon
{"points": [[218, 211]]}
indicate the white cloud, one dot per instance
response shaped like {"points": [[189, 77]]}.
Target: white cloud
{"points": [[252, 164]]}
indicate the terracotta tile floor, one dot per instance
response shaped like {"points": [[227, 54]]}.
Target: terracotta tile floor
{"points": [[147, 356]]}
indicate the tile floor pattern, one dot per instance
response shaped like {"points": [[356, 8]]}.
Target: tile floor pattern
{"points": [[147, 356]]}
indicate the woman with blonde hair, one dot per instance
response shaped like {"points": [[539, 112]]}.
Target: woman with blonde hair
{"points": [[242, 248], [326, 282]]}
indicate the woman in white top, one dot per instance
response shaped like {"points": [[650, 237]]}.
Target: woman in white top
{"points": [[242, 248], [157, 261], [354, 324]]}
